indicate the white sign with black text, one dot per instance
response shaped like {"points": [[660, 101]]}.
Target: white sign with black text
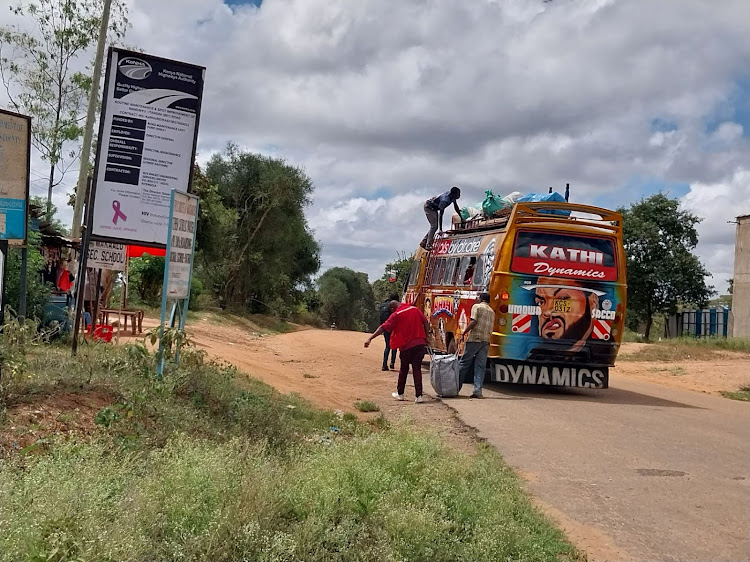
{"points": [[183, 221], [146, 144], [103, 255]]}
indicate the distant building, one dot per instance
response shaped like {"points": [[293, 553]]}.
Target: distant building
{"points": [[741, 293]]}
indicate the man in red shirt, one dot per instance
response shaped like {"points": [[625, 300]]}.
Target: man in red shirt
{"points": [[409, 328]]}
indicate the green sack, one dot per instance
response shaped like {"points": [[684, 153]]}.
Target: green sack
{"points": [[492, 203]]}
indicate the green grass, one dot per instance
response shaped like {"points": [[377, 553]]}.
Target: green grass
{"points": [[210, 465], [723, 344], [742, 394], [366, 406], [630, 336], [687, 349]]}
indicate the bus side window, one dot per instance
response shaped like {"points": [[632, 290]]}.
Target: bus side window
{"points": [[437, 272], [466, 271], [450, 271], [478, 273], [414, 275]]}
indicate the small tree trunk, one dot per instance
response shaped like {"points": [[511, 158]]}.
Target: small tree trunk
{"points": [[49, 191], [649, 321]]}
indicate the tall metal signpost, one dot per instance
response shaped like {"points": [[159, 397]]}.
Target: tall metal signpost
{"points": [[15, 165], [148, 132]]}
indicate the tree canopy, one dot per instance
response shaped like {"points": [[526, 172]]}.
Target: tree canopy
{"points": [[346, 298], [255, 248], [663, 272], [399, 268], [42, 75]]}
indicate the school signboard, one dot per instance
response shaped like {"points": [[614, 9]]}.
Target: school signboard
{"points": [[106, 255], [15, 151], [146, 149]]}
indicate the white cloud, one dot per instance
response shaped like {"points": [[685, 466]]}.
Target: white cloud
{"points": [[718, 204], [408, 98]]}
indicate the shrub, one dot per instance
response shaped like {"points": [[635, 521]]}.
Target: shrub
{"points": [[366, 406]]}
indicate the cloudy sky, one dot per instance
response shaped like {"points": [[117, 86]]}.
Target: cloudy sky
{"points": [[387, 103]]}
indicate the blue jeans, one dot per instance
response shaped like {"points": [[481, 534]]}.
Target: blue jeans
{"points": [[475, 351]]}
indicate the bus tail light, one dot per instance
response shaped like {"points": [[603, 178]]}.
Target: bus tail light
{"points": [[503, 308], [502, 321], [504, 296]]}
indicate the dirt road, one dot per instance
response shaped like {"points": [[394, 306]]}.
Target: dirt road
{"points": [[641, 471]]}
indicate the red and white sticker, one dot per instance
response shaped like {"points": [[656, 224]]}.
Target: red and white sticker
{"points": [[602, 330], [521, 323]]}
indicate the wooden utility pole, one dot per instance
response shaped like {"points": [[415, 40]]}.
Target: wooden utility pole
{"points": [[88, 133]]}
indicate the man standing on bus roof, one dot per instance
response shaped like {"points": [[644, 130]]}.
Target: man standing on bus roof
{"points": [[434, 209], [477, 346], [409, 328]]}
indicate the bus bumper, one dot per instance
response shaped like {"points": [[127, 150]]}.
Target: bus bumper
{"points": [[573, 376]]}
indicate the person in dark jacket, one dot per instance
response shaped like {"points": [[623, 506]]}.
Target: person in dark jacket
{"points": [[433, 210], [385, 313]]}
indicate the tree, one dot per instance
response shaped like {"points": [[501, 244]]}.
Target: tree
{"points": [[662, 270], [51, 218], [146, 278], [400, 268], [346, 298], [256, 249], [731, 286], [38, 70], [37, 292]]}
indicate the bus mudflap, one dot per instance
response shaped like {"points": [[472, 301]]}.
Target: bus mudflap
{"points": [[519, 372]]}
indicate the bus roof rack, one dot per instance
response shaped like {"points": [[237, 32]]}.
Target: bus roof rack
{"points": [[534, 212]]}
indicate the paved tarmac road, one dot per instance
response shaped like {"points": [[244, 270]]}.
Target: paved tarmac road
{"points": [[635, 472]]}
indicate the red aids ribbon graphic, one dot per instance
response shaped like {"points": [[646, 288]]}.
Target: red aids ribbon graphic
{"points": [[118, 213]]}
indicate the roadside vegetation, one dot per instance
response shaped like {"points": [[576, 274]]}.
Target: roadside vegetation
{"points": [[742, 394], [366, 406], [687, 349], [208, 464]]}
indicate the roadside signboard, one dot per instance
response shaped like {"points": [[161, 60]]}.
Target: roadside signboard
{"points": [[147, 136], [106, 255], [179, 266], [148, 132], [15, 162]]}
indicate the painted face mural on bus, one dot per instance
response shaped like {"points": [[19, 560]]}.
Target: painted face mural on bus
{"points": [[565, 308], [488, 261]]}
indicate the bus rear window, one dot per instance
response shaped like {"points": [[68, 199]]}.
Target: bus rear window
{"points": [[564, 255]]}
